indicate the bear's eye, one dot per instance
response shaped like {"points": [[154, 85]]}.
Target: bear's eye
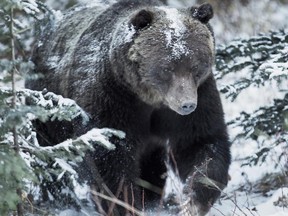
{"points": [[164, 74], [206, 66], [197, 76], [195, 68], [196, 71]]}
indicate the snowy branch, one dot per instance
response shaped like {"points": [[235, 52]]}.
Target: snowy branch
{"points": [[259, 59]]}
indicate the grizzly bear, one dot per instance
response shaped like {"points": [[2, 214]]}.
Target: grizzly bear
{"points": [[146, 69]]}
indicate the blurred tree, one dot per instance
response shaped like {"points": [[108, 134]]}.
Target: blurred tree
{"points": [[14, 17]]}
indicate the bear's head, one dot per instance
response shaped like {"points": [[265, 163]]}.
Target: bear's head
{"points": [[164, 54]]}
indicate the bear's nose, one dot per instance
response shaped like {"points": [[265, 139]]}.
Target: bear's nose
{"points": [[188, 107]]}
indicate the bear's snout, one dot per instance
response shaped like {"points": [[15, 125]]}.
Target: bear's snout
{"points": [[182, 95], [188, 107]]}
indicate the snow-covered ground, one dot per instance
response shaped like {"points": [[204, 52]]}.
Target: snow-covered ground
{"points": [[251, 205], [241, 198]]}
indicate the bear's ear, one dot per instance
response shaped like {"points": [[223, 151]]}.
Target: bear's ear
{"points": [[142, 19], [203, 12]]}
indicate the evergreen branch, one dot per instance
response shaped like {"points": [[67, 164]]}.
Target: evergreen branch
{"points": [[255, 61], [269, 120], [59, 108]]}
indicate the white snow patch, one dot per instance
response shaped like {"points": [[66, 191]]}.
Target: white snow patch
{"points": [[40, 43], [248, 100], [129, 33], [241, 203], [94, 3], [27, 158], [52, 62], [173, 185], [71, 212], [278, 69], [101, 136], [269, 208], [123, 34], [65, 166], [95, 53], [174, 32], [30, 7], [58, 15], [23, 24], [51, 198], [82, 191]]}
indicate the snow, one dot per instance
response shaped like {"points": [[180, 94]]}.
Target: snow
{"points": [[173, 185], [101, 136], [240, 198], [243, 202], [129, 33], [70, 212], [30, 7], [97, 135], [123, 33], [58, 15], [23, 24], [64, 105], [65, 166], [174, 32], [246, 201], [277, 69], [52, 61], [93, 3]]}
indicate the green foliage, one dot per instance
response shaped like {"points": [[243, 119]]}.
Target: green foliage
{"points": [[48, 165], [26, 167], [13, 170], [15, 20], [23, 162]]}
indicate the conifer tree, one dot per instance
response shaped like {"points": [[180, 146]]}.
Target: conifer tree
{"points": [[25, 167], [258, 61]]}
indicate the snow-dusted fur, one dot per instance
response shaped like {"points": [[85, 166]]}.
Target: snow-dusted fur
{"points": [[146, 69]]}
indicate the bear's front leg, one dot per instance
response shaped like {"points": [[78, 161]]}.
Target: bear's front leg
{"points": [[111, 175], [203, 173]]}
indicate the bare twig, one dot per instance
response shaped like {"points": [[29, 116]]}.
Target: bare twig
{"points": [[98, 203], [118, 202], [215, 184], [173, 160], [143, 200], [132, 197], [120, 187]]}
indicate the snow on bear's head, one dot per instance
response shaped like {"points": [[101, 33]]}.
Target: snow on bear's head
{"points": [[163, 54]]}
